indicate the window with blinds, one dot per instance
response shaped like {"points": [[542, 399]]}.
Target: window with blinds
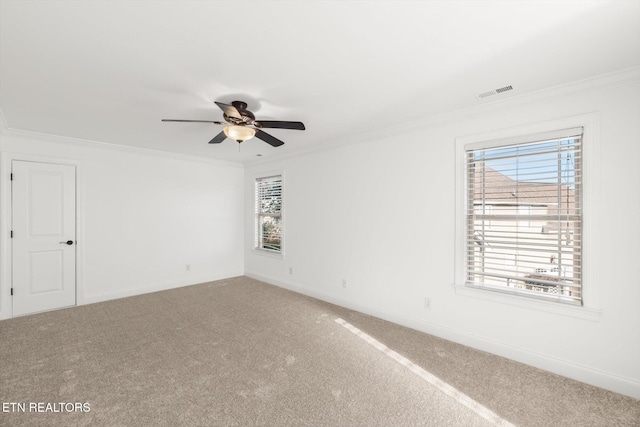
{"points": [[269, 213], [524, 216]]}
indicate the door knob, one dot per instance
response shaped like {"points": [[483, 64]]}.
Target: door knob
{"points": [[68, 242]]}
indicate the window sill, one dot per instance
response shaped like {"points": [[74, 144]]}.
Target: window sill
{"points": [[580, 312]]}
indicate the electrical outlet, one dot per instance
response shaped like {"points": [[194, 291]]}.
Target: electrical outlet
{"points": [[344, 283], [290, 270], [427, 303], [187, 267]]}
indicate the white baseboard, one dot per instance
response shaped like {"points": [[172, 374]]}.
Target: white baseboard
{"points": [[92, 299], [566, 368]]}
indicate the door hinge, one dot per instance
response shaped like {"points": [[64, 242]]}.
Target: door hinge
{"points": [[12, 234], [12, 177], [12, 291]]}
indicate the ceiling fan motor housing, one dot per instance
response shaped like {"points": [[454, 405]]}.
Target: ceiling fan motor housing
{"points": [[240, 105], [246, 116]]}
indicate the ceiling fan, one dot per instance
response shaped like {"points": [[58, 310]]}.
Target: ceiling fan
{"points": [[241, 124]]}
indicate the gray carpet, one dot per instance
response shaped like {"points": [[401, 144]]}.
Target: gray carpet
{"points": [[239, 352]]}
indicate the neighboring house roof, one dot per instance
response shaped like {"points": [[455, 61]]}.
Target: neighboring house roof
{"points": [[495, 188]]}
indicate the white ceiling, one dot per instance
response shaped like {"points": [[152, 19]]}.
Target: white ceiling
{"points": [[108, 71]]}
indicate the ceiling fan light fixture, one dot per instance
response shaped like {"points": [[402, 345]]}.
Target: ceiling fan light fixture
{"points": [[239, 133]]}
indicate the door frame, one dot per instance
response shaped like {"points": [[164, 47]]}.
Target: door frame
{"points": [[6, 208]]}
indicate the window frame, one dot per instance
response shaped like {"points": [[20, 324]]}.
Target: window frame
{"points": [[590, 185], [257, 242]]}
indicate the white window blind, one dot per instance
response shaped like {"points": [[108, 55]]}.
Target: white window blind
{"points": [[269, 213], [524, 215]]}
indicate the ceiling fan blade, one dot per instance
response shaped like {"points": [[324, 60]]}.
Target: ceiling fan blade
{"points": [[229, 110], [218, 138], [275, 124], [271, 140], [196, 121]]}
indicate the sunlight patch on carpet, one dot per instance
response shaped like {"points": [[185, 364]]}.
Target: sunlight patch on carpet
{"points": [[444, 387]]}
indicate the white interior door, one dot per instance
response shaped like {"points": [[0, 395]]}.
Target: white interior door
{"points": [[43, 236]]}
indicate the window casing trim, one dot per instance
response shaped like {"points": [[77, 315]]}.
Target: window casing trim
{"points": [[590, 140]]}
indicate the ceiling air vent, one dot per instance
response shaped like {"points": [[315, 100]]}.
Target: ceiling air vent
{"points": [[495, 91]]}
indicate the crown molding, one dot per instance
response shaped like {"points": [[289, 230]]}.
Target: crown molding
{"points": [[591, 84], [115, 147]]}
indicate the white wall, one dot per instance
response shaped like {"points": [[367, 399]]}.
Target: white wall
{"points": [[381, 215], [142, 216]]}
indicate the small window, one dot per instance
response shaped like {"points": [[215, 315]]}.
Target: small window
{"points": [[523, 215], [269, 214]]}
